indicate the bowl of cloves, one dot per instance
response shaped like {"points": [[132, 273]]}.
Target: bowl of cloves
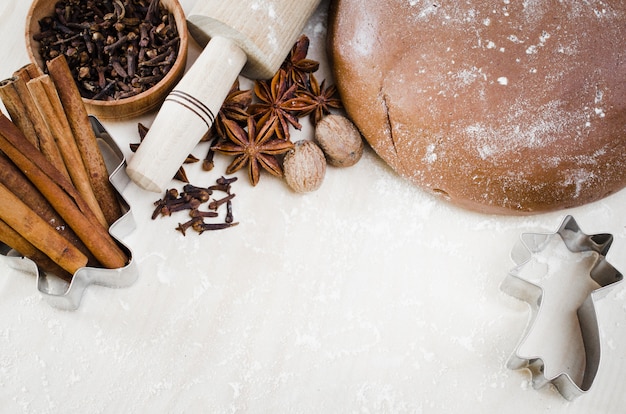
{"points": [[125, 55]]}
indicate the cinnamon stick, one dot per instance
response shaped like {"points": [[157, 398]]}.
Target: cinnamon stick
{"points": [[47, 145], [63, 197], [47, 100], [12, 100], [85, 138], [13, 179], [28, 72], [18, 243], [39, 233]]}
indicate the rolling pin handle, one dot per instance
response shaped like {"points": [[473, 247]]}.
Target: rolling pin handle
{"points": [[186, 114]]}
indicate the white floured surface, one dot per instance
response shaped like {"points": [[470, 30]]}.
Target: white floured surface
{"points": [[366, 296]]}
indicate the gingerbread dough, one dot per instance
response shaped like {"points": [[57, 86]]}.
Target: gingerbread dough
{"points": [[501, 107]]}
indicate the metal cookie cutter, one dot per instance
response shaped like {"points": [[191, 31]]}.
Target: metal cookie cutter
{"points": [[59, 293], [603, 273]]}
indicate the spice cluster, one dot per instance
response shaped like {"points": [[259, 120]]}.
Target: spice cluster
{"points": [[254, 127], [116, 49], [192, 198]]}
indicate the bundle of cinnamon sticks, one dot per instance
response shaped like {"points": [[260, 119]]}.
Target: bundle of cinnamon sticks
{"points": [[56, 201]]}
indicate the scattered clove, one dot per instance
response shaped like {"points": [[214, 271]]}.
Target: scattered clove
{"points": [[183, 227], [170, 196], [199, 193], [207, 162], [226, 181], [180, 204], [229, 212], [191, 198], [203, 214], [202, 227], [215, 204], [223, 184]]}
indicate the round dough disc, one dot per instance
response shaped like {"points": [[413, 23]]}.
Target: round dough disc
{"points": [[501, 107]]}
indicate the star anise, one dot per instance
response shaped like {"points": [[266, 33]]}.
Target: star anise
{"points": [[275, 97], [297, 66], [256, 147], [316, 101], [235, 108]]}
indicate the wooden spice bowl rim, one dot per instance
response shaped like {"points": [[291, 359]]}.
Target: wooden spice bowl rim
{"points": [[134, 106]]}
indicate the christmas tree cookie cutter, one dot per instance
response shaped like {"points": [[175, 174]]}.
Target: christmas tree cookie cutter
{"points": [[604, 275], [67, 296]]}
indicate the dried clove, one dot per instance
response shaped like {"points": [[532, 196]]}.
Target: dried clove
{"points": [[202, 227], [180, 205], [183, 227], [134, 42], [215, 204], [199, 193], [223, 184], [191, 198], [207, 162], [226, 181], [170, 196], [229, 212], [225, 188], [203, 214]]}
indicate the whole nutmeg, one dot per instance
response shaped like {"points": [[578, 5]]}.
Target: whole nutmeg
{"points": [[304, 167], [340, 140]]}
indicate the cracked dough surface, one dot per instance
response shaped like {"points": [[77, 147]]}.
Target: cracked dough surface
{"points": [[512, 107]]}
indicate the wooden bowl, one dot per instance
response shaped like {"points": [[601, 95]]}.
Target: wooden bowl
{"points": [[142, 103]]}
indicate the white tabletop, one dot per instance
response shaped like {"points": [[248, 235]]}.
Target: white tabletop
{"points": [[367, 295]]}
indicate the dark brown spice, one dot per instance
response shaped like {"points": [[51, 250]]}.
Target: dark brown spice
{"points": [[203, 214], [234, 108], [254, 148], [317, 100], [170, 195], [292, 93], [190, 199], [296, 66], [202, 227], [207, 162], [226, 181], [180, 205], [229, 212], [199, 193], [274, 97], [183, 227], [106, 42], [215, 204]]}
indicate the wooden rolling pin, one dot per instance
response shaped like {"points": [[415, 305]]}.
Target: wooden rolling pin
{"points": [[248, 37]]}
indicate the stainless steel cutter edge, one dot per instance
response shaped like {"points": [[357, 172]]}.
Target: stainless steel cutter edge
{"points": [[59, 293], [602, 272]]}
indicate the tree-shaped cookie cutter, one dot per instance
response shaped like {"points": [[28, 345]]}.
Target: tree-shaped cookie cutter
{"points": [[59, 293], [602, 272]]}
